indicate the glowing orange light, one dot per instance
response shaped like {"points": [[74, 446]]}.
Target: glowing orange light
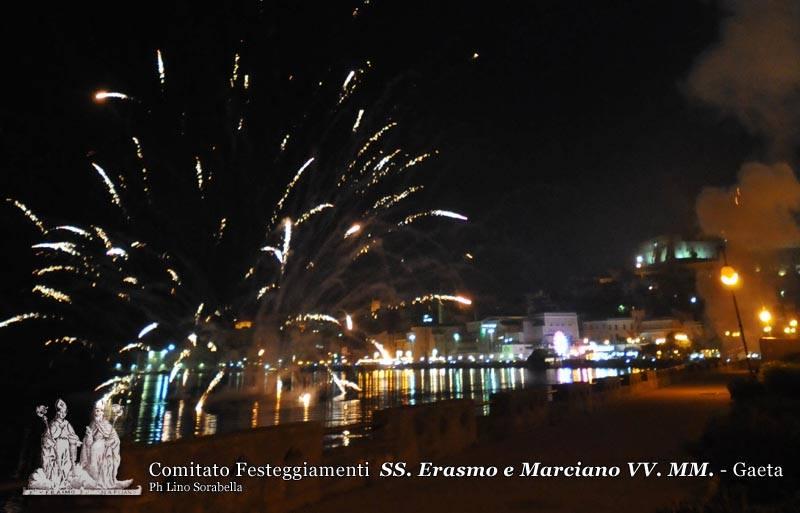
{"points": [[728, 276], [243, 325]]}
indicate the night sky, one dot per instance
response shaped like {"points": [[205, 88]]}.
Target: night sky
{"points": [[569, 140]]}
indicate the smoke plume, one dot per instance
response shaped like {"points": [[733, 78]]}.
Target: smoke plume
{"points": [[753, 73], [757, 218], [758, 214]]}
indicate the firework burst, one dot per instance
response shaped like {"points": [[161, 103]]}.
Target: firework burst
{"points": [[203, 233]]}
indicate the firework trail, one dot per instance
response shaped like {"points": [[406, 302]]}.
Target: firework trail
{"points": [[342, 384], [214, 382], [105, 95]]}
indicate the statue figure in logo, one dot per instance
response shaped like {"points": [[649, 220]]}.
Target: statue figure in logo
{"points": [[100, 454], [99, 459], [59, 447]]}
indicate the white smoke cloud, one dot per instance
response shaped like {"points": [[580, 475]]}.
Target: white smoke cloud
{"points": [[757, 214], [757, 218], [753, 73]]}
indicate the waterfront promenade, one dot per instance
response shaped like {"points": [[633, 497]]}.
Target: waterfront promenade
{"points": [[655, 425]]}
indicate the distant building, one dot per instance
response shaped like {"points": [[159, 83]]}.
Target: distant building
{"points": [[423, 341], [430, 340], [641, 331], [490, 335], [659, 330], [540, 330], [672, 249], [613, 329]]}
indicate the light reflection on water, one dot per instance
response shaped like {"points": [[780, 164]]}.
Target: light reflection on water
{"points": [[161, 411]]}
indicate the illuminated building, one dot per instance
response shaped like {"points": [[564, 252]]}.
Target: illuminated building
{"points": [[656, 330], [422, 341], [641, 331], [498, 334], [540, 329], [671, 249], [614, 329]]}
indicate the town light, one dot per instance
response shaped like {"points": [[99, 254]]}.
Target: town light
{"points": [[764, 316], [728, 276]]}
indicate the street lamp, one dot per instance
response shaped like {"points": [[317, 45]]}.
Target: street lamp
{"points": [[730, 279], [728, 276]]}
